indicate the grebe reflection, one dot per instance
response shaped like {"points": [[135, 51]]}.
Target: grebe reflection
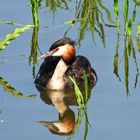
{"points": [[61, 100]]}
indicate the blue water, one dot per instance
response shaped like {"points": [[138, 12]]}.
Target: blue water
{"points": [[112, 115]]}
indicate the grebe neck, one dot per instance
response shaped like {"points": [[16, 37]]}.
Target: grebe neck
{"points": [[56, 81]]}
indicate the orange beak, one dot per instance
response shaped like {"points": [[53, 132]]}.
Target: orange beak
{"points": [[47, 54]]}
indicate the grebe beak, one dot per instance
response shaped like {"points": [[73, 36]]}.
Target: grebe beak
{"points": [[50, 53]]}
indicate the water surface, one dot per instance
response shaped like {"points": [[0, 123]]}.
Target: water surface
{"points": [[111, 113]]}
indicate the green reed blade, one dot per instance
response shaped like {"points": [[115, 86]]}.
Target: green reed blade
{"points": [[125, 12], [134, 15], [86, 123], [34, 47], [53, 5], [110, 25], [86, 87], [106, 10], [116, 8], [66, 32], [131, 22], [9, 37], [84, 24], [40, 2], [78, 123], [138, 37], [138, 30], [82, 113], [126, 69], [78, 8], [91, 17], [86, 130], [82, 110], [85, 6], [73, 21], [11, 23], [82, 30], [126, 9], [136, 64], [79, 96], [116, 13], [100, 25], [8, 88], [35, 5], [116, 58], [65, 4], [129, 45], [137, 2], [70, 22], [98, 31], [129, 29]]}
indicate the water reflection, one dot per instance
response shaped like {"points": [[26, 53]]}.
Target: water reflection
{"points": [[67, 124]]}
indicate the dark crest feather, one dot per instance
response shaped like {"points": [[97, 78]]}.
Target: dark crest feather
{"points": [[61, 42]]}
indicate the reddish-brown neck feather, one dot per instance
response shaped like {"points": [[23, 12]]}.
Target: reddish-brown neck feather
{"points": [[69, 56]]}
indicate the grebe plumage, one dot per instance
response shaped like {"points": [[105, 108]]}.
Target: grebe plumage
{"points": [[61, 62]]}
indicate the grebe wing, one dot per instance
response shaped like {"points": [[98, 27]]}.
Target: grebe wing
{"points": [[80, 64], [46, 70]]}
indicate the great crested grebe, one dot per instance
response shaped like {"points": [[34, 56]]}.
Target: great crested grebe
{"points": [[61, 100], [60, 62]]}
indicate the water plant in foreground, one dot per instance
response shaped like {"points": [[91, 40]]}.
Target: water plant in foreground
{"points": [[82, 105]]}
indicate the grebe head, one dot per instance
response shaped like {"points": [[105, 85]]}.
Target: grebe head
{"points": [[63, 48]]}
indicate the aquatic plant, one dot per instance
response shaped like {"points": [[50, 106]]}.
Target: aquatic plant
{"points": [[53, 5], [138, 37], [137, 2], [11, 23], [82, 97], [116, 13], [78, 93], [82, 105], [34, 50], [9, 89], [12, 36], [129, 49], [34, 7], [90, 17], [82, 115]]}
